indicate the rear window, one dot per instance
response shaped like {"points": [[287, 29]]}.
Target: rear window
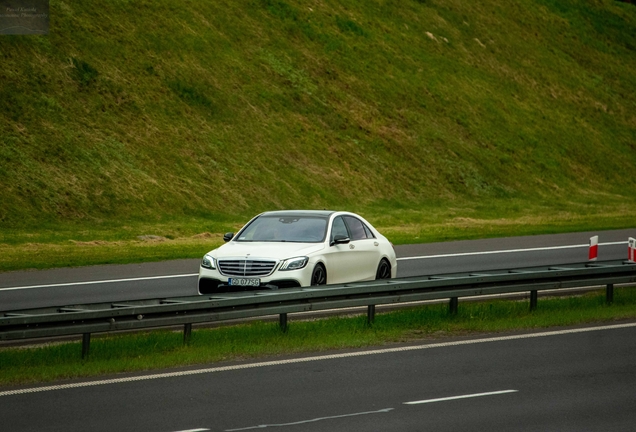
{"points": [[359, 230]]}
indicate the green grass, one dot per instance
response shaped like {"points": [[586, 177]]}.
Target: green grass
{"points": [[84, 243], [164, 349], [134, 118], [77, 244]]}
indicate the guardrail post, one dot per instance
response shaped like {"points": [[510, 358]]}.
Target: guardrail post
{"points": [[187, 333], [533, 300], [370, 314], [283, 322], [86, 344], [452, 308], [609, 294]]}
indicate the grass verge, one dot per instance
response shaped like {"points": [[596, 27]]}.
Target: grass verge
{"points": [[162, 349], [76, 243]]}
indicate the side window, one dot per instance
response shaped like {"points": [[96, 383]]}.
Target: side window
{"points": [[368, 231], [339, 228], [356, 227]]}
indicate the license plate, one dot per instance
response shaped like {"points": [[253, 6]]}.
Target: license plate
{"points": [[249, 282]]}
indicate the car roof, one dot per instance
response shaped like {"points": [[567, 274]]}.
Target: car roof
{"points": [[288, 213]]}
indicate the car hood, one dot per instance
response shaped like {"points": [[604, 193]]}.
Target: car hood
{"points": [[272, 250]]}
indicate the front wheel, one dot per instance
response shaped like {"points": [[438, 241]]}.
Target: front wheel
{"points": [[384, 270], [319, 275]]}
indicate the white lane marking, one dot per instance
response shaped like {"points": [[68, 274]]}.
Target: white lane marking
{"points": [[460, 397], [194, 430], [507, 251], [99, 282], [385, 410], [399, 259], [309, 359]]}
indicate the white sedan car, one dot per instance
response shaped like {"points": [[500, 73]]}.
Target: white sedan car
{"points": [[283, 249]]}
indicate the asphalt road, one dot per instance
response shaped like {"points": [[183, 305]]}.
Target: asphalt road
{"points": [[110, 283], [574, 380], [557, 381]]}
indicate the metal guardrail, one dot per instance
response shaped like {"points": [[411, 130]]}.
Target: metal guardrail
{"points": [[130, 315]]}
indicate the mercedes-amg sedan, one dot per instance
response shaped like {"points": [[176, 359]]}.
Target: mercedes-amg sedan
{"points": [[282, 249]]}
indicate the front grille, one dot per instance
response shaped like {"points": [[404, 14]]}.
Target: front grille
{"points": [[246, 267]]}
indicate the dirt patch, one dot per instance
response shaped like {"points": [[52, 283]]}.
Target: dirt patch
{"points": [[90, 243], [205, 235], [152, 238]]}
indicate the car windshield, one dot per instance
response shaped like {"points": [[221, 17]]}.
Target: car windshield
{"points": [[299, 229]]}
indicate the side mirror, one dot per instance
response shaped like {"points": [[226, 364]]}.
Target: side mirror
{"points": [[340, 239], [228, 236]]}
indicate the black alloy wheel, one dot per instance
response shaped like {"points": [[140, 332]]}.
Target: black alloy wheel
{"points": [[319, 275], [384, 270]]}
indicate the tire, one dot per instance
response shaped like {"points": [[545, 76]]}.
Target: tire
{"points": [[384, 270], [319, 275]]}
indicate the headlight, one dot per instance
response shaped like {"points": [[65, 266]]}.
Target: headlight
{"points": [[208, 262], [294, 263]]}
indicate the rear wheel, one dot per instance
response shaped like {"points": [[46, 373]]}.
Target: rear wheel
{"points": [[384, 270], [319, 275]]}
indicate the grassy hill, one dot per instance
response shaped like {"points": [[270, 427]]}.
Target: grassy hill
{"points": [[434, 118]]}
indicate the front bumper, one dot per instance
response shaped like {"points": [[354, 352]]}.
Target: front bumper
{"points": [[212, 281], [211, 286]]}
